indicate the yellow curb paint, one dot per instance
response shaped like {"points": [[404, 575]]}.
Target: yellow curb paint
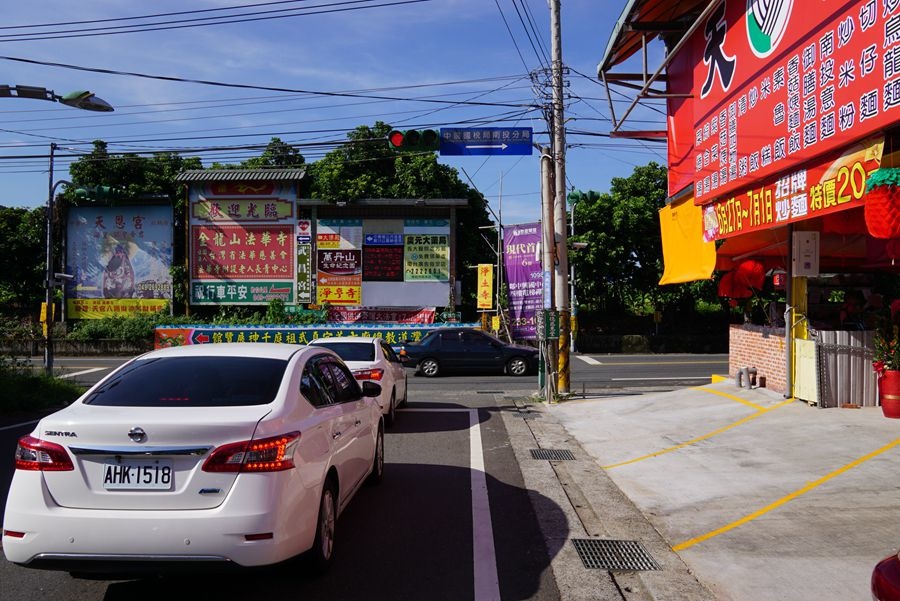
{"points": [[715, 379], [750, 517], [699, 438], [732, 397]]}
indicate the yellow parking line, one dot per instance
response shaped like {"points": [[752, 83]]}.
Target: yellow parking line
{"points": [[752, 416], [732, 397], [690, 543]]}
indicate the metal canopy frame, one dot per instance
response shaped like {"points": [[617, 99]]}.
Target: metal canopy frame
{"points": [[618, 50]]}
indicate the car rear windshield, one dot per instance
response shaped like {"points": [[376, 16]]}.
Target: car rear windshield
{"points": [[192, 382], [352, 351]]}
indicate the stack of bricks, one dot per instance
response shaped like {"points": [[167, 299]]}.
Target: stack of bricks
{"points": [[759, 347]]}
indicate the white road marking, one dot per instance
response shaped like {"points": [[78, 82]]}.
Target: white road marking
{"points": [[487, 583], [18, 425], [486, 580], [81, 373], [641, 379], [588, 360]]}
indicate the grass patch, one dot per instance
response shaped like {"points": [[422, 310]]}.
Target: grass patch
{"points": [[32, 393]]}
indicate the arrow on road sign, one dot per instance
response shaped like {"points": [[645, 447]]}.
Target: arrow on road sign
{"points": [[500, 146]]}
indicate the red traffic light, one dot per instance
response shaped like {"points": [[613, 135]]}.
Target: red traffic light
{"points": [[396, 138], [414, 140]]}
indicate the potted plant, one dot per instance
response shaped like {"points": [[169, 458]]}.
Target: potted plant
{"points": [[886, 363]]}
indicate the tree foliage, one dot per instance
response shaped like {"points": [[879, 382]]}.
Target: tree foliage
{"points": [[278, 154], [619, 270], [22, 239]]}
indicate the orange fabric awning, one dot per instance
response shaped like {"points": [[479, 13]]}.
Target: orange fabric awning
{"points": [[687, 257]]}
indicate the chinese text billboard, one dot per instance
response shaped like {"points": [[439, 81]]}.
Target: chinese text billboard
{"points": [[121, 255], [523, 277], [243, 243], [776, 85]]}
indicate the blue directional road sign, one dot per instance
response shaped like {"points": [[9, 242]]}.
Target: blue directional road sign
{"points": [[462, 141]]}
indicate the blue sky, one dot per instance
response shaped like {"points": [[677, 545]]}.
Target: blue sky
{"points": [[459, 50]]}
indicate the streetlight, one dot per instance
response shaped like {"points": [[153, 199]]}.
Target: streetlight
{"points": [[84, 100], [80, 99]]}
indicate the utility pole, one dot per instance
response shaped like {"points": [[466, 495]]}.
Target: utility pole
{"points": [[548, 250], [48, 272], [561, 267]]}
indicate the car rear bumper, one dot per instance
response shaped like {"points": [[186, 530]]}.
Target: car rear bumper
{"points": [[63, 538]]}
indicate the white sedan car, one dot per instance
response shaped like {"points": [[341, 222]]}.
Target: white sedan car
{"points": [[218, 453], [372, 359]]}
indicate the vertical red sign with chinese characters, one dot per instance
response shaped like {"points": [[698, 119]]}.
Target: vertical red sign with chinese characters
{"points": [[777, 84]]}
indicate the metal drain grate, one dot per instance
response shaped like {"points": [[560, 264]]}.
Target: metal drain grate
{"points": [[553, 454], [614, 554]]}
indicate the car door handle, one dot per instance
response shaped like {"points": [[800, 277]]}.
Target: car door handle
{"points": [[336, 435]]}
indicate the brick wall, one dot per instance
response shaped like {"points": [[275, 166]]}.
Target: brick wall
{"points": [[759, 347]]}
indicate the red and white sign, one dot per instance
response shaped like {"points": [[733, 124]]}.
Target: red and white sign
{"points": [[778, 84]]}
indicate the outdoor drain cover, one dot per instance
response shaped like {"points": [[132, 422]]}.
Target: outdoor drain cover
{"points": [[614, 554], [553, 454]]}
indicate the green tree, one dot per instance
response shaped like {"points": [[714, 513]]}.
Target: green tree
{"points": [[366, 167], [276, 154], [22, 239]]}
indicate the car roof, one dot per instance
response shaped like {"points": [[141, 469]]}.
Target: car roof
{"points": [[230, 349], [358, 339]]}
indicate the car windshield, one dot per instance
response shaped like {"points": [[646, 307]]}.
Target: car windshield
{"points": [[351, 351], [192, 382]]}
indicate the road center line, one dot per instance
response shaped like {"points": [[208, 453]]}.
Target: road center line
{"points": [[811, 485], [82, 372]]}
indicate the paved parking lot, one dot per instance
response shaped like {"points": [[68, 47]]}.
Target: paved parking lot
{"points": [[762, 498]]}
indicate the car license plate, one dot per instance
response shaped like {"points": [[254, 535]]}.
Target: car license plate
{"points": [[132, 474]]}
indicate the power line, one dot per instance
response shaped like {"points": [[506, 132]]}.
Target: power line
{"points": [[249, 86], [104, 31]]}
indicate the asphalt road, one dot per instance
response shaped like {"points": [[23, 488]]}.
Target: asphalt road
{"points": [[589, 373], [413, 537]]}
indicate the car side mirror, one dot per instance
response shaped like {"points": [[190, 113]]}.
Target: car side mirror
{"points": [[371, 389]]}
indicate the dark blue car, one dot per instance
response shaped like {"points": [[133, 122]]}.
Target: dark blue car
{"points": [[467, 350]]}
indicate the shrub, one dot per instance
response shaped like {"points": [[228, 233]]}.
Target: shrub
{"points": [[26, 392]]}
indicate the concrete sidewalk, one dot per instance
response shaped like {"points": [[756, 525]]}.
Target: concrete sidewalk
{"points": [[738, 494]]}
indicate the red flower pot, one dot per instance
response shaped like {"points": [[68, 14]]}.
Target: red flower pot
{"points": [[889, 393]]}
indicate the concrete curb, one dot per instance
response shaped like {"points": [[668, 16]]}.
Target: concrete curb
{"points": [[594, 507]]}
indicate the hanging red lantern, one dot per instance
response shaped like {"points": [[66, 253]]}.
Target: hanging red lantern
{"points": [[882, 209]]}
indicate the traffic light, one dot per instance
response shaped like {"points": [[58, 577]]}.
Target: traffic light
{"points": [[415, 140], [576, 196]]}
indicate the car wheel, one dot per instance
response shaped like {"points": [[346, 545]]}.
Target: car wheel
{"points": [[323, 546], [517, 366], [377, 474], [391, 414], [429, 367]]}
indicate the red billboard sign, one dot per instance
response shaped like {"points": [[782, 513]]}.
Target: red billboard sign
{"points": [[777, 84], [242, 252], [823, 186]]}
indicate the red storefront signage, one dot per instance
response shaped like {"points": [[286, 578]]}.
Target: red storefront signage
{"points": [[821, 187], [773, 91], [248, 252]]}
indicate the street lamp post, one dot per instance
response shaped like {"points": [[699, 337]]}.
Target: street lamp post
{"points": [[84, 100]]}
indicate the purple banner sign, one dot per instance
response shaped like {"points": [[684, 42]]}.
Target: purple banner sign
{"points": [[521, 260]]}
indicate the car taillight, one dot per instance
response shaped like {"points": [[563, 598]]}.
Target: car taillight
{"points": [[35, 454], [369, 374], [273, 454]]}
